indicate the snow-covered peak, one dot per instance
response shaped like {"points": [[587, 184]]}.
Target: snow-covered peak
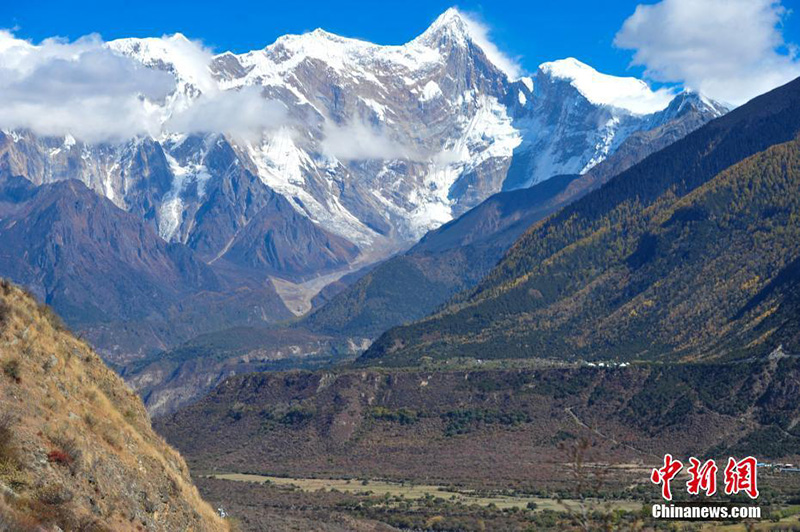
{"points": [[699, 101], [450, 26], [317, 38], [187, 60], [319, 44], [355, 58], [453, 28], [627, 93], [275, 64], [451, 16]]}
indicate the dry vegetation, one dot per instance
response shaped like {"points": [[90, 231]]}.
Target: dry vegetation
{"points": [[493, 428], [465, 450], [77, 450]]}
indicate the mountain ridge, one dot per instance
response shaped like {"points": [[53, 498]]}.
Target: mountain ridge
{"points": [[111, 277], [364, 149], [592, 255], [456, 255], [399, 290]]}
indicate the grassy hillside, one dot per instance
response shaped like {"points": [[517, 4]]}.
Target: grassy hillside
{"points": [[77, 450], [689, 253]]}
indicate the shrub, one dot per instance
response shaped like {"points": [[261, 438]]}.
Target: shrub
{"points": [[66, 453], [17, 521], [13, 369], [5, 313], [464, 421], [57, 456], [129, 415], [54, 494], [54, 319], [10, 462], [404, 416], [90, 420], [111, 435], [8, 448], [297, 416]]}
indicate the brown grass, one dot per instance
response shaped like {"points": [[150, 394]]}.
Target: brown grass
{"points": [[62, 402]]}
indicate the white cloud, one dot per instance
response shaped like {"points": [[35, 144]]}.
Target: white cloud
{"points": [[480, 34], [188, 59], [729, 50], [100, 92], [356, 141], [82, 88], [243, 114]]}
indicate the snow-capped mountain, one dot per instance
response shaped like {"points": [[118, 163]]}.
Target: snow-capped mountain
{"points": [[576, 117], [375, 145], [343, 152]]}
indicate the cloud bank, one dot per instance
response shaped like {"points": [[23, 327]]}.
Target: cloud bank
{"points": [[243, 114], [82, 88], [108, 92], [729, 50]]}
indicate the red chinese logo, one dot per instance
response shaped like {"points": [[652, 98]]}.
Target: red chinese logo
{"points": [[665, 474], [739, 476], [703, 477]]}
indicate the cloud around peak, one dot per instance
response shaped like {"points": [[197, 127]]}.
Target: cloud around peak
{"points": [[480, 33], [626, 93], [58, 87], [108, 92], [729, 50]]}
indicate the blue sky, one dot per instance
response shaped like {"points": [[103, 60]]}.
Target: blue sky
{"points": [[533, 31]]}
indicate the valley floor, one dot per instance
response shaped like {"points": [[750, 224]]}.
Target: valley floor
{"points": [[482, 449], [416, 492], [326, 505]]}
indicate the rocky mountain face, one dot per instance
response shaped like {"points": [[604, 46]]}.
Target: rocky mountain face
{"points": [[690, 253], [110, 275], [140, 177], [368, 147], [578, 117], [383, 143], [77, 451]]}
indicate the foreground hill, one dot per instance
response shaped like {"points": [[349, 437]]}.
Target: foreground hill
{"points": [[77, 451], [692, 252]]}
